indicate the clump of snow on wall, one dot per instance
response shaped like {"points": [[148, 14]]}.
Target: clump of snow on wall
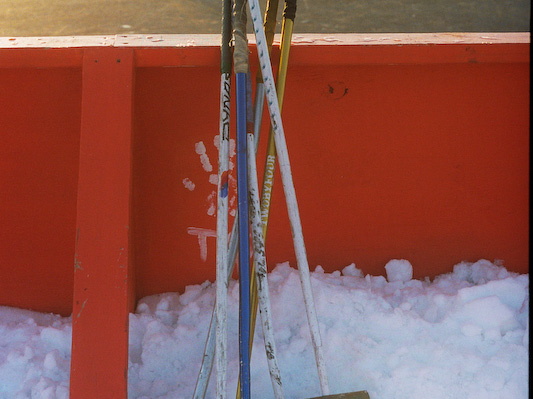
{"points": [[399, 270]]}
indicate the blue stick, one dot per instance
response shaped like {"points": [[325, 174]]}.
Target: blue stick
{"points": [[244, 248]]}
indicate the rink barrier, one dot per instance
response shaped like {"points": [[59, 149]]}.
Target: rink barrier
{"points": [[412, 146]]}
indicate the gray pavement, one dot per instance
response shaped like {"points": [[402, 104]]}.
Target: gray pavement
{"points": [[107, 17]]}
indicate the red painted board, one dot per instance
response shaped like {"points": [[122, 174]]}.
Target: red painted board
{"points": [[103, 281], [412, 146], [39, 145], [424, 162]]}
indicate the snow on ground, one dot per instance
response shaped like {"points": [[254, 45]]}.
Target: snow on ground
{"points": [[463, 335]]}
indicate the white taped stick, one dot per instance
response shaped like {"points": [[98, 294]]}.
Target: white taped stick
{"points": [[261, 272], [209, 351], [222, 241], [288, 187]]}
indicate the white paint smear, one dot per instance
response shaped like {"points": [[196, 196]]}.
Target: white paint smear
{"points": [[213, 179], [202, 235], [232, 148], [232, 205], [212, 199], [204, 159], [189, 185]]}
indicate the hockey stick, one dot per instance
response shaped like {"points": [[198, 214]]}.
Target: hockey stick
{"points": [[261, 273], [219, 347], [270, 26], [208, 355], [241, 66], [270, 164], [290, 193]]}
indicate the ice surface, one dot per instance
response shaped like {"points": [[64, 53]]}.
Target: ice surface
{"points": [[463, 335]]}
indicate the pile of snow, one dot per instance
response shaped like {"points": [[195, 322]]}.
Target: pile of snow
{"points": [[34, 354], [462, 335]]}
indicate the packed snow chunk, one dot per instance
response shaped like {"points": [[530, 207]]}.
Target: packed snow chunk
{"points": [[352, 270], [49, 389], [489, 314], [319, 269], [54, 338], [525, 338], [480, 272], [471, 330], [491, 378], [511, 291], [399, 270]]}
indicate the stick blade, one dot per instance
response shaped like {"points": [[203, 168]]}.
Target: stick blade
{"points": [[348, 395]]}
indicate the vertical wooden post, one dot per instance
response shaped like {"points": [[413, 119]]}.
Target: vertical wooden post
{"points": [[103, 280]]}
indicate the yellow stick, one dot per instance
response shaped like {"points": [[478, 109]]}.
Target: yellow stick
{"points": [[268, 179]]}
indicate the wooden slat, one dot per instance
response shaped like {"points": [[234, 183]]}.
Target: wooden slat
{"points": [[103, 284], [309, 49]]}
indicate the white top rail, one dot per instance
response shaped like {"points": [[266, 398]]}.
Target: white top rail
{"points": [[193, 40]]}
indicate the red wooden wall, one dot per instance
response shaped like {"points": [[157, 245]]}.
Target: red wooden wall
{"points": [[404, 146]]}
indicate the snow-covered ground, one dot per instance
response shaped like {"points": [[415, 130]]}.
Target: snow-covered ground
{"points": [[463, 335]]}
